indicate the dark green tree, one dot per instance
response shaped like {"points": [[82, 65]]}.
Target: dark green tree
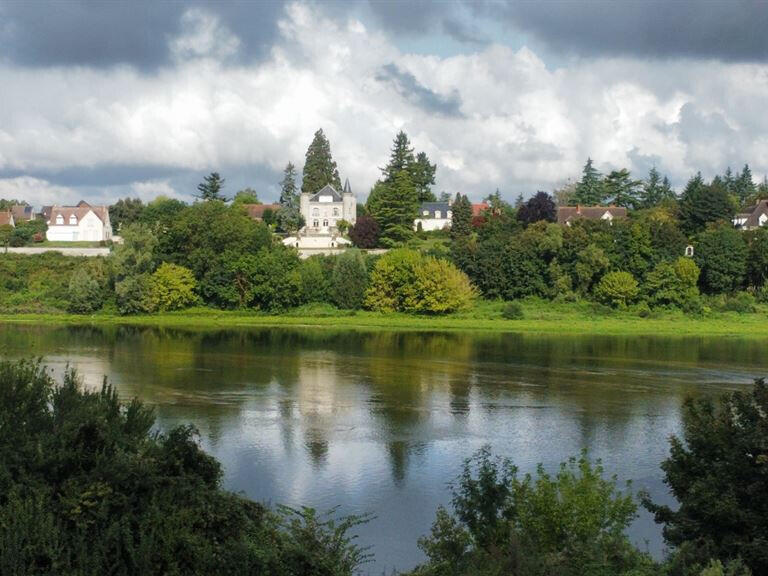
{"points": [[350, 280], [702, 204], [461, 233], [85, 294], [590, 190], [654, 190], [319, 166], [400, 158], [397, 210], [621, 190], [717, 472], [246, 196], [721, 253], [289, 217], [423, 176], [744, 187], [125, 211], [210, 188], [757, 259]]}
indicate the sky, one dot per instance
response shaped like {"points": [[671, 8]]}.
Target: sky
{"points": [[101, 100]]}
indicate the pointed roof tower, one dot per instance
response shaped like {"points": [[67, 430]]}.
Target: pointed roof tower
{"points": [[347, 188]]}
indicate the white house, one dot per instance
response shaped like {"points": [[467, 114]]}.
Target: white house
{"points": [[753, 217], [323, 210], [433, 216], [78, 223]]}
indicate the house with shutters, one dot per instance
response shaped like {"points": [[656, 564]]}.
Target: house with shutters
{"points": [[81, 223]]}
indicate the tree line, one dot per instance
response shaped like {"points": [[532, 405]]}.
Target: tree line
{"points": [[87, 486]]}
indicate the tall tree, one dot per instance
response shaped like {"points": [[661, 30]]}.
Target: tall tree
{"points": [[423, 176], [124, 212], [289, 216], [461, 233], [652, 190], [621, 190], [319, 167], [397, 209], [744, 186], [210, 188], [590, 190], [400, 158], [701, 204]]}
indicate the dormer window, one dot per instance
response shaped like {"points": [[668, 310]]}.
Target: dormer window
{"points": [[59, 219], [73, 220]]}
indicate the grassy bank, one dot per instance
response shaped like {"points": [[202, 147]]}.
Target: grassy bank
{"points": [[538, 317]]}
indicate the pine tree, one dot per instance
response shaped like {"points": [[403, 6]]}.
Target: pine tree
{"points": [[289, 216], [589, 190], [398, 207], [729, 181], [423, 177], [701, 204], [744, 186], [400, 158], [650, 195], [620, 189], [519, 201], [210, 188], [319, 167], [461, 233], [667, 193]]}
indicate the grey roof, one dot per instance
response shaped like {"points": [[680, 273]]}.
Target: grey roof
{"points": [[432, 207], [326, 190], [347, 187], [753, 213]]}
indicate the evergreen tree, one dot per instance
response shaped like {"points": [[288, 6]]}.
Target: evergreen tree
{"points": [[210, 188], [651, 192], [589, 190], [289, 216], [666, 190], [398, 207], [620, 189], [461, 233], [401, 158], [701, 204], [761, 192], [744, 186], [246, 196], [729, 181], [519, 201], [423, 176], [319, 167]]}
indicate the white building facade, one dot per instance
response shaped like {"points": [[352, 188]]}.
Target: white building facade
{"points": [[81, 223], [323, 210], [433, 216]]}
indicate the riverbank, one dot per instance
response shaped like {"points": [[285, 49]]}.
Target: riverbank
{"points": [[538, 317]]}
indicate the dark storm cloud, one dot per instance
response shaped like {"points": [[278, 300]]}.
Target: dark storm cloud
{"points": [[731, 30], [417, 94], [105, 33]]}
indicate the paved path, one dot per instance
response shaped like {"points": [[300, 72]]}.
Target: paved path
{"points": [[74, 251]]}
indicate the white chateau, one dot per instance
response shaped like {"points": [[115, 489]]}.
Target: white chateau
{"points": [[322, 212]]}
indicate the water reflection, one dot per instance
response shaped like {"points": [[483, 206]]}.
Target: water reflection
{"points": [[380, 421]]}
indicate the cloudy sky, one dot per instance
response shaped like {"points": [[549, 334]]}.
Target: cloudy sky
{"points": [[106, 99]]}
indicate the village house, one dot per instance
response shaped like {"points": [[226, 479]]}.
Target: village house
{"points": [[6, 219], [433, 216], [78, 223], [22, 213], [753, 217], [322, 213], [566, 215]]}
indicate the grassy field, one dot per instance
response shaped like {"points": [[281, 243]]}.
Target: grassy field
{"points": [[539, 317], [59, 244]]}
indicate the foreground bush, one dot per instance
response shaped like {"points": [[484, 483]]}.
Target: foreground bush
{"points": [[172, 287], [87, 488], [616, 289]]}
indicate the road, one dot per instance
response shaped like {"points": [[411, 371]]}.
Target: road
{"points": [[74, 251]]}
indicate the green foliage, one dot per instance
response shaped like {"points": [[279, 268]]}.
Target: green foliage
{"points": [[350, 280], [721, 253], [423, 177], [616, 289], [289, 216], [396, 210], [161, 212], [702, 204], [85, 295], [621, 190], [172, 287], [513, 311], [210, 188], [124, 212], [590, 190], [655, 190], [246, 196], [319, 166], [87, 486], [269, 280], [314, 278], [718, 472], [757, 257], [404, 280], [673, 284], [570, 524], [132, 263]]}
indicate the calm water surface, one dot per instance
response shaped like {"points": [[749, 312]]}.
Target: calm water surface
{"points": [[379, 422]]}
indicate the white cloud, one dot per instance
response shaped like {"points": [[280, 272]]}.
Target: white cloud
{"points": [[36, 192], [148, 190], [518, 124]]}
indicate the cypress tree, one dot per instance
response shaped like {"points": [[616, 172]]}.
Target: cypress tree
{"points": [[650, 195], [319, 167], [589, 190], [744, 186], [289, 216]]}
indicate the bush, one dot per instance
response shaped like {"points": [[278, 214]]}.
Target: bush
{"points": [[269, 279], [350, 279], [315, 286], [365, 232], [132, 295], [85, 294], [721, 254], [673, 284], [172, 287], [742, 302], [512, 311], [616, 289]]}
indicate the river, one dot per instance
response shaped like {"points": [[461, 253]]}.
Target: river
{"points": [[380, 421]]}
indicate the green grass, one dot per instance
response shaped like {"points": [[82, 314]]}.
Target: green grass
{"points": [[59, 244], [539, 317]]}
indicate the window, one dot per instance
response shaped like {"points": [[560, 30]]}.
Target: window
{"points": [[59, 219], [73, 220], [425, 213], [315, 223], [325, 223], [437, 213], [335, 211]]}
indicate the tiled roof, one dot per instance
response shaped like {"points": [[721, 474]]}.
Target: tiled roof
{"points": [[22, 212], [567, 214], [256, 211], [6, 218], [752, 214], [478, 209], [79, 211]]}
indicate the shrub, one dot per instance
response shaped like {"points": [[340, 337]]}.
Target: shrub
{"points": [[616, 289], [365, 232], [512, 311], [673, 284], [350, 279], [85, 294], [269, 279], [314, 281], [132, 295], [172, 287], [722, 256], [742, 302]]}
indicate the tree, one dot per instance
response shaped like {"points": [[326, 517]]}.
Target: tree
{"points": [[701, 205], [210, 188], [172, 287], [132, 262], [397, 209], [717, 472], [571, 523], [289, 217], [246, 196], [125, 211], [6, 233], [315, 284], [621, 190], [744, 187], [539, 207], [721, 253], [161, 213], [423, 176], [365, 233], [350, 280], [319, 167], [673, 284], [616, 289], [590, 190], [269, 280], [401, 158], [84, 295], [757, 259]]}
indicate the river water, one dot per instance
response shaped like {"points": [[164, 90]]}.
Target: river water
{"points": [[379, 422]]}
